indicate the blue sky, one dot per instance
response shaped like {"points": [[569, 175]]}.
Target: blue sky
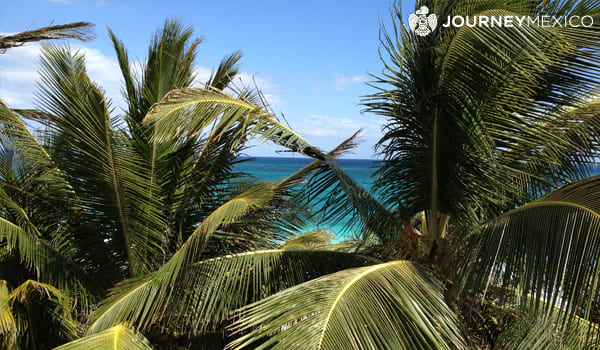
{"points": [[311, 58]]}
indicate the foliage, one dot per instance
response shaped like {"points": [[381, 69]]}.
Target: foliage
{"points": [[397, 305], [118, 337], [139, 226]]}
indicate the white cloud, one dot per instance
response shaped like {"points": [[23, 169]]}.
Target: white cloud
{"points": [[202, 75], [328, 132], [324, 126], [341, 82], [26, 55], [22, 78], [19, 72], [15, 99]]}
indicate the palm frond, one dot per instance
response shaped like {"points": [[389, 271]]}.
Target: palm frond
{"points": [[226, 72], [346, 199], [140, 300], [230, 282], [92, 155], [18, 136], [115, 338], [8, 326], [207, 106], [210, 289], [23, 291], [309, 239], [42, 257], [534, 332], [76, 30], [45, 314], [547, 249], [396, 305], [341, 197]]}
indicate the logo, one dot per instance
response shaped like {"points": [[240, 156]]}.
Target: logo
{"points": [[509, 21], [422, 24]]}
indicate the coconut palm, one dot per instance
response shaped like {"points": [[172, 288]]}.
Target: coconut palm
{"points": [[94, 200]]}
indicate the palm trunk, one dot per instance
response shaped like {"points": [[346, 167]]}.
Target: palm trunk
{"points": [[433, 208]]}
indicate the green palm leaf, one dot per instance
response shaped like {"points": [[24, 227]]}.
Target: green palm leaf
{"points": [[97, 162], [346, 199], [210, 289], [39, 255], [40, 165], [140, 300], [548, 249], [225, 73], [206, 106], [43, 312], [189, 171], [215, 287], [535, 332], [8, 326], [115, 338], [396, 305], [309, 239]]}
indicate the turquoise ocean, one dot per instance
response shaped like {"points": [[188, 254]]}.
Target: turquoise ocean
{"points": [[275, 168]]}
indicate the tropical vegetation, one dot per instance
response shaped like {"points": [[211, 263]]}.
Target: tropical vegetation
{"points": [[135, 230]]}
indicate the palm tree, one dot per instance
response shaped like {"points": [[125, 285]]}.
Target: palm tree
{"points": [[92, 201]]}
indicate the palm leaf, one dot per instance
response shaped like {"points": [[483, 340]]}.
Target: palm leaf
{"points": [[23, 291], [396, 305], [93, 156], [207, 106], [17, 136], [115, 338], [308, 239], [346, 198], [226, 72], [42, 257], [534, 332], [8, 326], [140, 300], [45, 313], [343, 198], [215, 287], [189, 171], [547, 249], [77, 30], [212, 288]]}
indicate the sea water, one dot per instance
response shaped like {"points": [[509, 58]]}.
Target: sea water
{"points": [[276, 168]]}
